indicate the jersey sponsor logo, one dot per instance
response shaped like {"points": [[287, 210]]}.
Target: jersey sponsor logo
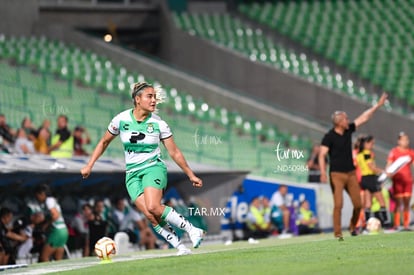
{"points": [[126, 126], [150, 128], [136, 136]]}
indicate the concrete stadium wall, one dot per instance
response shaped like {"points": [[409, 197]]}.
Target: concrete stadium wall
{"points": [[18, 16], [101, 16], [272, 85]]}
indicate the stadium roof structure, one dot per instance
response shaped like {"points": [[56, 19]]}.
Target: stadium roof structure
{"points": [[20, 173]]}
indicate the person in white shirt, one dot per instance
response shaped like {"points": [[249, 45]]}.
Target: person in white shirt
{"points": [[279, 208]]}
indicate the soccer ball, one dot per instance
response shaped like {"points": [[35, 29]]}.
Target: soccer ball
{"points": [[105, 248], [373, 225]]}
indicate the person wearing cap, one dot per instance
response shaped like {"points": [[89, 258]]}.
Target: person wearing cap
{"points": [[337, 143], [80, 138], [141, 132], [402, 181]]}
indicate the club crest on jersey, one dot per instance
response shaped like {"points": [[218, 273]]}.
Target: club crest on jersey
{"points": [[150, 128]]}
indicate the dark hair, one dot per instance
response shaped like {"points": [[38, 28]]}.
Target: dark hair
{"points": [[23, 121], [42, 188], [358, 141], [65, 117], [401, 134], [4, 211], [364, 140], [86, 205]]}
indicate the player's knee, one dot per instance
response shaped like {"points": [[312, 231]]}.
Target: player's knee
{"points": [[155, 210]]}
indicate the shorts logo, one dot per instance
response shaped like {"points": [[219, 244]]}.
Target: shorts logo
{"points": [[150, 128], [157, 181]]}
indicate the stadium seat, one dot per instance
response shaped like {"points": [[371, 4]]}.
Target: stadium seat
{"points": [[62, 79], [369, 38]]}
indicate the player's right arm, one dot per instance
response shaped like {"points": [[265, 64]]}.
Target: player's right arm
{"points": [[322, 162], [99, 150]]}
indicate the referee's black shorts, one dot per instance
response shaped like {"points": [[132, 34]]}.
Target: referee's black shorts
{"points": [[370, 183]]}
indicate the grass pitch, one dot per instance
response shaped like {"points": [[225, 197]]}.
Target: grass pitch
{"points": [[317, 254]]}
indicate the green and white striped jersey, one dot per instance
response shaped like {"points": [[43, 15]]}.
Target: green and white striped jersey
{"points": [[141, 140]]}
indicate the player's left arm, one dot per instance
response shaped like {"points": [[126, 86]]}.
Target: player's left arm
{"points": [[178, 157], [365, 116]]}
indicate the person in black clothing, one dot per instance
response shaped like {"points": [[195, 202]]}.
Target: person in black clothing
{"points": [[7, 135], [8, 238], [98, 228], [81, 137], [337, 143], [313, 165]]}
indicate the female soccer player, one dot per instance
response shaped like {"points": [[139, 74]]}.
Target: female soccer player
{"points": [[146, 174], [369, 179], [402, 181]]}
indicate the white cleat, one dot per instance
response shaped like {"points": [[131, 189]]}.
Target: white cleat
{"points": [[184, 251], [196, 236]]}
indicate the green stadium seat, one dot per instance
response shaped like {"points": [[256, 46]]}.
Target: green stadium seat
{"points": [[366, 37], [61, 79]]}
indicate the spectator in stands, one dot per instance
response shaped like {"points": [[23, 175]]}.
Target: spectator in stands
{"points": [[307, 221], [279, 208], [23, 145], [7, 237], [80, 224], [136, 226], [55, 227], [46, 126], [258, 219], [98, 226], [62, 142], [338, 144], [119, 211], [101, 209], [7, 135], [81, 137], [29, 129], [42, 141], [313, 165]]}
